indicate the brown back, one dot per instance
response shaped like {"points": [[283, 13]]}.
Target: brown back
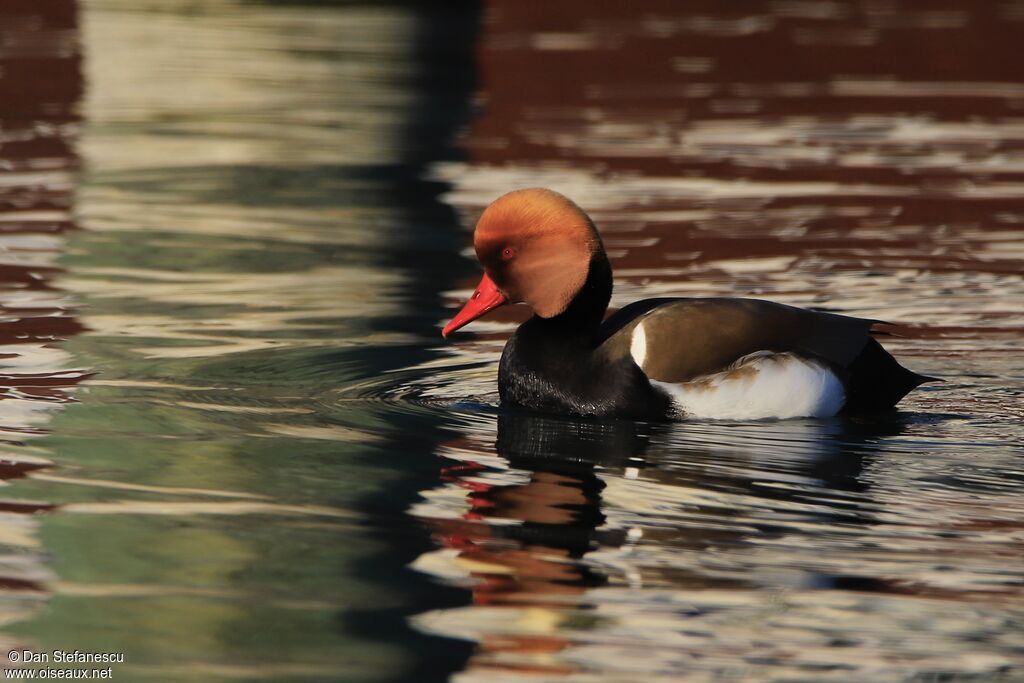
{"points": [[688, 338]]}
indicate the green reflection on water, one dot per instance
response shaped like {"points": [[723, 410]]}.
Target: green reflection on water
{"points": [[226, 512]]}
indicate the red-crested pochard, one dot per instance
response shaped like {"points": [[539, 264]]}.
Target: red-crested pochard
{"points": [[658, 358]]}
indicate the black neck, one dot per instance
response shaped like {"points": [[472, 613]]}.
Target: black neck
{"points": [[556, 364], [582, 317]]}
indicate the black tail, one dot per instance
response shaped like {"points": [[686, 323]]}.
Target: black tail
{"points": [[876, 382]]}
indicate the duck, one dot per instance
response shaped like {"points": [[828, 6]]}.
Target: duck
{"points": [[662, 358]]}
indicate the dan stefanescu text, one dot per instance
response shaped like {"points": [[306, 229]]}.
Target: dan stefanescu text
{"points": [[72, 657]]}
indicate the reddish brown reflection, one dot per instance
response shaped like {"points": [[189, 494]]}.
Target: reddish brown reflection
{"points": [[40, 90], [833, 142]]}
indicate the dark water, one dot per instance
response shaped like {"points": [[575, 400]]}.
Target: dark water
{"points": [[251, 457]]}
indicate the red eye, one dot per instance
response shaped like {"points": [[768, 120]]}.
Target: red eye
{"points": [[507, 253]]}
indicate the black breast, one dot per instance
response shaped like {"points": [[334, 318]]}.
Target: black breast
{"points": [[557, 371]]}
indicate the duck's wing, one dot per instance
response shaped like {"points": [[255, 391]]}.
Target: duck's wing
{"points": [[682, 340], [678, 340]]}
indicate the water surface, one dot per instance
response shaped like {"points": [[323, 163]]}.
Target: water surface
{"points": [[856, 157], [252, 457]]}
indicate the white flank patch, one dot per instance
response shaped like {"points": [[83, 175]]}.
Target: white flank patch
{"points": [[761, 385], [638, 345]]}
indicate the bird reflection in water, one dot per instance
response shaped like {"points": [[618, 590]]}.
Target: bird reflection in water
{"points": [[522, 544], [587, 507]]}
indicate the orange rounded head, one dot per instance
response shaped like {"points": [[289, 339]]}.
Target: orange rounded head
{"points": [[535, 246]]}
